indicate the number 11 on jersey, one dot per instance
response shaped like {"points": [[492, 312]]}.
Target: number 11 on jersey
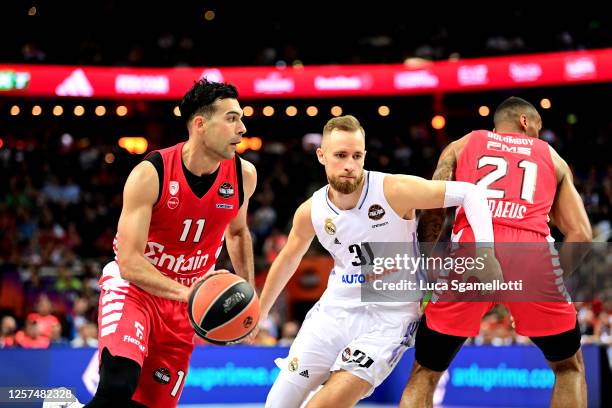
{"points": [[187, 227]]}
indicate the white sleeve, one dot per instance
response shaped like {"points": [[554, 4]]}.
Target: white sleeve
{"points": [[475, 205]]}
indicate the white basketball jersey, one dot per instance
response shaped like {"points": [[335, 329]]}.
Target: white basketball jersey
{"points": [[342, 232]]}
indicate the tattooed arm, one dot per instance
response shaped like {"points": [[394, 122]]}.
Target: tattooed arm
{"points": [[432, 221]]}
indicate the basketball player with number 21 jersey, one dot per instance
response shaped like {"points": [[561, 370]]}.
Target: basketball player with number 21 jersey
{"points": [[178, 206], [525, 180], [348, 344]]}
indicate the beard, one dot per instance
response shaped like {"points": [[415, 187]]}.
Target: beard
{"points": [[345, 187]]}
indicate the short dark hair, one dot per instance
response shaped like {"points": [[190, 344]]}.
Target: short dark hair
{"points": [[510, 109], [201, 97]]}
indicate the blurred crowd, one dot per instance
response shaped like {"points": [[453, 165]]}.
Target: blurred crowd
{"points": [[216, 34]]}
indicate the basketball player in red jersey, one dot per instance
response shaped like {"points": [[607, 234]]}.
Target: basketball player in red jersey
{"points": [[525, 180], [178, 205]]}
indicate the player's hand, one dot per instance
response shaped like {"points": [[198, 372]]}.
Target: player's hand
{"points": [[489, 272], [250, 339], [188, 290], [492, 270]]}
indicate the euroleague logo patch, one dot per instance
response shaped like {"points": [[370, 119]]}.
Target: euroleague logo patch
{"points": [[376, 212], [173, 202], [226, 190], [162, 375]]}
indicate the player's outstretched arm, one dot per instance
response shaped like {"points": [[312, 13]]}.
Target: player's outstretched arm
{"points": [[139, 196], [405, 193], [289, 258], [237, 234]]}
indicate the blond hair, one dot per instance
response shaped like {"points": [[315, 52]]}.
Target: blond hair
{"points": [[347, 123]]}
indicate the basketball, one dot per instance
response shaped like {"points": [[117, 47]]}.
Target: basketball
{"points": [[223, 308]]}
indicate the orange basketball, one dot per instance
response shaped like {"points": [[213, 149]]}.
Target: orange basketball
{"points": [[223, 308]]}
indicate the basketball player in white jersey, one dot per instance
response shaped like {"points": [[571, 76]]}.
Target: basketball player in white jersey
{"points": [[352, 345]]}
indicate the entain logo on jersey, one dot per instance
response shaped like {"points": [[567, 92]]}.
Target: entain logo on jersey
{"points": [[163, 261], [330, 227], [226, 190]]}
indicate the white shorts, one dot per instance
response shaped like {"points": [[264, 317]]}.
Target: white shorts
{"points": [[367, 341]]}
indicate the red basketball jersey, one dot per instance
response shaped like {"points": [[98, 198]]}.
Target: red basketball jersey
{"points": [[186, 232], [518, 174]]}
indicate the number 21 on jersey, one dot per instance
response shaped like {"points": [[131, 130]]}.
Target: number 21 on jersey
{"points": [[528, 183]]}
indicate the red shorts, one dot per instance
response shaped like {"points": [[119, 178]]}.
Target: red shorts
{"points": [[150, 330], [531, 318]]}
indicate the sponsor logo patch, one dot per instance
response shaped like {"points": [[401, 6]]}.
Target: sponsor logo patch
{"points": [[376, 212], [225, 206], [173, 202], [226, 190], [162, 375]]}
